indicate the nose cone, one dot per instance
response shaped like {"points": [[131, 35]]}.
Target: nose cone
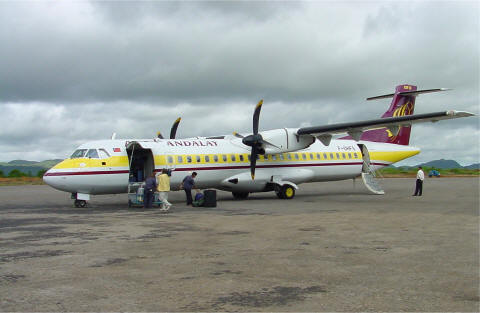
{"points": [[48, 178]]}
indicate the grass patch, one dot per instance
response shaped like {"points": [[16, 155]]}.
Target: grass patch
{"points": [[412, 172], [18, 181]]}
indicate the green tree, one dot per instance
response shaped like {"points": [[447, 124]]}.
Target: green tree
{"points": [[2, 174], [16, 173], [41, 173]]}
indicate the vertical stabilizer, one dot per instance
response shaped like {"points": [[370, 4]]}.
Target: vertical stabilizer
{"points": [[403, 103]]}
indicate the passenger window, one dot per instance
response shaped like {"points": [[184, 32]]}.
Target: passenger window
{"points": [[349, 155], [338, 155], [215, 158], [325, 156], [274, 157], [241, 157], [189, 159], [199, 159], [169, 159], [80, 153], [296, 156], [331, 156], [180, 159], [343, 155], [232, 157], [304, 156], [280, 156], [92, 154], [289, 156], [224, 157], [318, 156], [207, 159]]}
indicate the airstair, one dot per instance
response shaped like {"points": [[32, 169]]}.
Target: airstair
{"points": [[368, 174], [372, 183]]}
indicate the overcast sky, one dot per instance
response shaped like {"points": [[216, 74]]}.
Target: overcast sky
{"points": [[71, 72]]}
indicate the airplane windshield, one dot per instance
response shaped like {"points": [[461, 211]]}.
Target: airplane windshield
{"points": [[92, 153], [80, 153]]}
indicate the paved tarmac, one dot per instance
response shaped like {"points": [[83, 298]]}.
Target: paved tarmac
{"points": [[332, 248]]}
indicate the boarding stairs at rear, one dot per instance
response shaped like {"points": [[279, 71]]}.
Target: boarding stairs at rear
{"points": [[371, 182]]}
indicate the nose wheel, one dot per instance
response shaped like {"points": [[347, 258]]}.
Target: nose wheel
{"points": [[80, 203]]}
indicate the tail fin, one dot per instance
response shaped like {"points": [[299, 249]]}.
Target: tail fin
{"points": [[403, 103]]}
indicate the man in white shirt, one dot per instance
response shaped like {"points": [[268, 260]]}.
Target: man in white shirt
{"points": [[419, 182]]}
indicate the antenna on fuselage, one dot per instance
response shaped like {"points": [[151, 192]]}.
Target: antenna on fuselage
{"points": [[113, 136]]}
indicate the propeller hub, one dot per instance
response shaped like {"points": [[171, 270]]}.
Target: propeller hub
{"points": [[253, 140]]}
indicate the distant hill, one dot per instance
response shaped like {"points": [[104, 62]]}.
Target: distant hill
{"points": [[440, 164], [443, 164], [27, 167]]}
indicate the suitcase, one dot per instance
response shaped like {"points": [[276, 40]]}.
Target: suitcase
{"points": [[210, 196]]}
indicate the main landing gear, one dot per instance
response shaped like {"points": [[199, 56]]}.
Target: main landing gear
{"points": [[285, 192], [240, 195]]}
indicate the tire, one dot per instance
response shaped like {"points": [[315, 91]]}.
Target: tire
{"points": [[80, 203], [288, 192], [240, 195], [279, 194]]}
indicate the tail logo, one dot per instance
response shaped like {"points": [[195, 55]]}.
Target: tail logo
{"points": [[404, 109]]}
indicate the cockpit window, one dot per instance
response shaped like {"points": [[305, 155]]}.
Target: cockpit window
{"points": [[80, 153], [92, 153], [103, 154]]}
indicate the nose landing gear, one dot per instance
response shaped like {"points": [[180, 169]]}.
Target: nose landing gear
{"points": [[80, 199], [80, 203]]}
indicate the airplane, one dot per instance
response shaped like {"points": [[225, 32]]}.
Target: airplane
{"points": [[273, 160]]}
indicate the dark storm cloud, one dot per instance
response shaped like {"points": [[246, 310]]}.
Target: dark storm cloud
{"points": [[77, 71]]}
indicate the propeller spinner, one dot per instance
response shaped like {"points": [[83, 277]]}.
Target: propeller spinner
{"points": [[254, 140]]}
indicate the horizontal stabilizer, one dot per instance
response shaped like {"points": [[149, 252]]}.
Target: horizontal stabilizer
{"points": [[409, 93]]}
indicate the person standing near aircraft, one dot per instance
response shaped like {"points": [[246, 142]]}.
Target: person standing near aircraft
{"points": [[419, 182], [163, 187], [188, 183], [149, 191]]}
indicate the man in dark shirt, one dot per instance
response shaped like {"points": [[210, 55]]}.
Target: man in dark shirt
{"points": [[149, 191], [187, 184]]}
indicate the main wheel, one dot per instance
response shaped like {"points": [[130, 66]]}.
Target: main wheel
{"points": [[287, 192], [240, 195]]}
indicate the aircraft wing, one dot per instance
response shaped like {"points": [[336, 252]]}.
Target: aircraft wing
{"points": [[355, 129]]}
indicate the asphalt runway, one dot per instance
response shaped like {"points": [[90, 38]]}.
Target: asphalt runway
{"points": [[332, 248]]}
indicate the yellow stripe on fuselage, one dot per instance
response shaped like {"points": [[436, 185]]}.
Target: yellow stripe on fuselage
{"points": [[115, 161], [392, 156], [162, 160]]}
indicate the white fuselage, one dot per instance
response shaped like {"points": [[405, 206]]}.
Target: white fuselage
{"points": [[220, 163]]}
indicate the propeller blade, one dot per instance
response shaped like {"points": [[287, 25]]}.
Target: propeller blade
{"points": [[237, 135], [264, 142], [256, 116], [159, 135], [253, 161], [173, 131]]}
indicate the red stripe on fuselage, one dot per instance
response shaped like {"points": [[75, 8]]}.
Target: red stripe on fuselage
{"points": [[211, 168]]}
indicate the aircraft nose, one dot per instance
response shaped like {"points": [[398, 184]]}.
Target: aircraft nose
{"points": [[47, 179]]}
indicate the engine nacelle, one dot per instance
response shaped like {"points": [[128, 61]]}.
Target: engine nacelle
{"points": [[286, 139]]}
